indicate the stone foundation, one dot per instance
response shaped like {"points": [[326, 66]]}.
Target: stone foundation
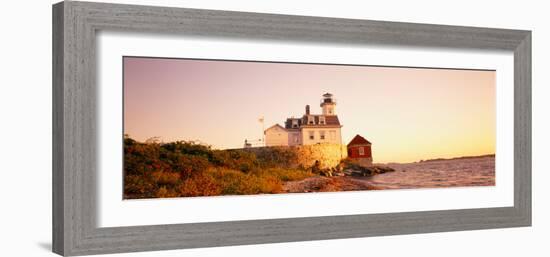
{"points": [[328, 155], [363, 161]]}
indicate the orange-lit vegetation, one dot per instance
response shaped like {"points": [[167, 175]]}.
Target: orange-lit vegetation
{"points": [[182, 168]]}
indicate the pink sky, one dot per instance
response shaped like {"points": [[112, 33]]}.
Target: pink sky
{"points": [[407, 113]]}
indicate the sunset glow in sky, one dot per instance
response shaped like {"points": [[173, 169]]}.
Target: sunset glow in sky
{"points": [[408, 114]]}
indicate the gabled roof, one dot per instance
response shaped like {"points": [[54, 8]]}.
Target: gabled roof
{"points": [[274, 126], [359, 140]]}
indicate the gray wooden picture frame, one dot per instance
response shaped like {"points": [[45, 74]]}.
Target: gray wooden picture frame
{"points": [[75, 25]]}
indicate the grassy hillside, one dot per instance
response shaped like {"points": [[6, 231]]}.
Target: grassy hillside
{"points": [[177, 169]]}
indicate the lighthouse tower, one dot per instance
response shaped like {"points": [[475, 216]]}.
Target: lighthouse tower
{"points": [[328, 104]]}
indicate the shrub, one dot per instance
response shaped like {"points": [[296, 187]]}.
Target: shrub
{"points": [[140, 158], [188, 147], [165, 178], [163, 192], [235, 159], [188, 164], [138, 186], [199, 185], [181, 168], [266, 185], [234, 182]]}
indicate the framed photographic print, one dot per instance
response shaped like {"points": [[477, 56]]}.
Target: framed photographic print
{"points": [[182, 128]]}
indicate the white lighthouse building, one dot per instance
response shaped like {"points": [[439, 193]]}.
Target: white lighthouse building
{"points": [[309, 129]]}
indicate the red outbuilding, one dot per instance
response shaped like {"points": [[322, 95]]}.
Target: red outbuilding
{"points": [[359, 149]]}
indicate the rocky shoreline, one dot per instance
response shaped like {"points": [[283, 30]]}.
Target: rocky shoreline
{"points": [[328, 184], [350, 178]]}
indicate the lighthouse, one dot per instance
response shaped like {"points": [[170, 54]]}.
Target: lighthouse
{"points": [[328, 104], [309, 129]]}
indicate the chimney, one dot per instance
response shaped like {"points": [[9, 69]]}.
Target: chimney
{"points": [[307, 109]]}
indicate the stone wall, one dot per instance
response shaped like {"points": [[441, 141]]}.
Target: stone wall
{"points": [[329, 155]]}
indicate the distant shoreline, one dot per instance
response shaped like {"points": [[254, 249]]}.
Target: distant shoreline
{"points": [[444, 159]]}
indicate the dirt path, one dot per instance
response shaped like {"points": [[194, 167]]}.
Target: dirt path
{"points": [[328, 184]]}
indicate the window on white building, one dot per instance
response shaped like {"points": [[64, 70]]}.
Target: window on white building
{"points": [[322, 135], [311, 135], [322, 120], [310, 120]]}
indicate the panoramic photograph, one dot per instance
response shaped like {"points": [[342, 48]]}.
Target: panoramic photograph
{"points": [[199, 127]]}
